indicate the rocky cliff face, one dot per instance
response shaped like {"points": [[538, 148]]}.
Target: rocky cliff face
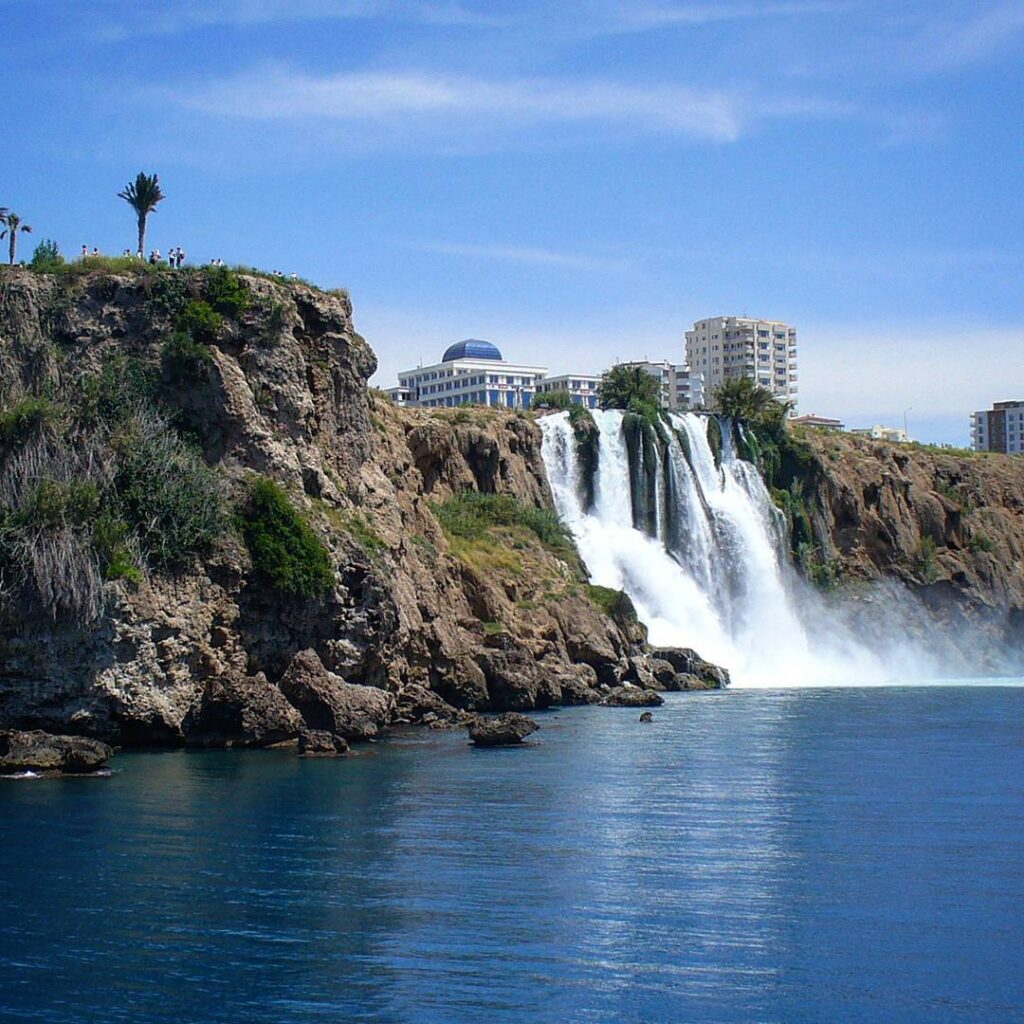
{"points": [[196, 652], [950, 527]]}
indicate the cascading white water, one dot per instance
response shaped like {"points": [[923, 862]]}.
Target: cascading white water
{"points": [[715, 574]]}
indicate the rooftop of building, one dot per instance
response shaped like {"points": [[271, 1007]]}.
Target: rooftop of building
{"points": [[471, 348]]}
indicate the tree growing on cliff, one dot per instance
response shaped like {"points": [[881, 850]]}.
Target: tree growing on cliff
{"points": [[12, 224], [142, 195], [631, 388], [741, 399]]}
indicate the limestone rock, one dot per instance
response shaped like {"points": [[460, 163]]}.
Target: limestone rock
{"points": [[502, 731], [243, 711], [632, 697], [686, 661], [326, 702], [39, 751], [320, 743]]}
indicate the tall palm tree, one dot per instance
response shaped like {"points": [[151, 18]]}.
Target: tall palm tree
{"points": [[12, 224], [142, 195]]}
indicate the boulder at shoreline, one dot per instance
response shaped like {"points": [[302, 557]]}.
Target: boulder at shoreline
{"points": [[38, 751], [501, 731]]}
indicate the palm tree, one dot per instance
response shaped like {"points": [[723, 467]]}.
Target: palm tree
{"points": [[628, 387], [142, 195], [11, 226], [741, 399]]}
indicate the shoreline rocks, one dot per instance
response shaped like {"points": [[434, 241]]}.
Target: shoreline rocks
{"points": [[38, 751], [632, 697], [504, 730]]}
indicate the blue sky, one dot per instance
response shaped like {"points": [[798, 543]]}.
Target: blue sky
{"points": [[576, 182]]}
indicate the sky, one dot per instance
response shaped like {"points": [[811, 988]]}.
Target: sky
{"points": [[576, 182]]}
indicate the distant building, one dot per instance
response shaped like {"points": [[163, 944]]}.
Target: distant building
{"points": [[895, 435], [470, 372], [582, 388], [999, 429], [726, 347], [819, 422], [681, 389]]}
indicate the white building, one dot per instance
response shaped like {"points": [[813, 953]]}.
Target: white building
{"points": [[681, 389], [470, 372], [582, 387], [895, 435], [725, 347], [999, 429]]}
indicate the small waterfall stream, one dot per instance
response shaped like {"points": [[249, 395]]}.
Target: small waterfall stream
{"points": [[703, 556]]}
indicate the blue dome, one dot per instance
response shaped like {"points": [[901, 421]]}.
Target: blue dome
{"points": [[471, 348]]}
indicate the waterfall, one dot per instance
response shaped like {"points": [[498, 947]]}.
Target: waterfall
{"points": [[704, 555]]}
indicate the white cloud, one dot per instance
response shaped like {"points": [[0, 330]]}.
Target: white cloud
{"points": [[450, 106], [525, 254], [145, 18], [947, 44], [640, 17]]}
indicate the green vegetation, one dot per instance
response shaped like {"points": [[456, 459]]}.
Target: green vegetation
{"points": [[924, 558], [226, 292], [632, 389], [979, 541], [741, 399], [96, 484], [493, 628], [200, 321], [471, 515], [614, 603], [555, 400], [824, 573], [10, 226], [714, 429], [142, 195], [285, 550], [185, 359], [25, 417], [46, 256]]}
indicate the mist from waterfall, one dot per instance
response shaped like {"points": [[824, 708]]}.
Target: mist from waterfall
{"points": [[704, 556]]}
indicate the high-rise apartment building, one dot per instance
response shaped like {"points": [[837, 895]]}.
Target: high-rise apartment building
{"points": [[725, 347], [999, 429]]}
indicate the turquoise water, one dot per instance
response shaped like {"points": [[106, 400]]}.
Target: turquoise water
{"points": [[802, 855]]}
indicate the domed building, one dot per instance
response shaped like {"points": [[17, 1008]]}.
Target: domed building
{"points": [[471, 372]]}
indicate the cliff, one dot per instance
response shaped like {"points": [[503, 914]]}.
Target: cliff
{"points": [[145, 419], [948, 526]]}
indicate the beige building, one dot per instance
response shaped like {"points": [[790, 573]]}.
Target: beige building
{"points": [[724, 347]]}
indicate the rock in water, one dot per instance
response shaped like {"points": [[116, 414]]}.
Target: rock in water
{"points": [[319, 743], [632, 697], [243, 711], [502, 731], [647, 717], [38, 751], [326, 702]]}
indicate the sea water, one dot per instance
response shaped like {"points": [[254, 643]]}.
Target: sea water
{"points": [[769, 856]]}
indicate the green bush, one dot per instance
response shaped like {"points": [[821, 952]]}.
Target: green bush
{"points": [[284, 550], [46, 257], [614, 603], [111, 540], [169, 498], [186, 360], [115, 393], [471, 515], [225, 292], [979, 541], [554, 400], [200, 321], [25, 417]]}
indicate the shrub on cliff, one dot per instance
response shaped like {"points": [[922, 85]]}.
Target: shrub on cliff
{"points": [[284, 550], [470, 515]]}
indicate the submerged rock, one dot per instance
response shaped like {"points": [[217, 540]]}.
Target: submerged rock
{"points": [[632, 697], [647, 717], [501, 731], [38, 751]]}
